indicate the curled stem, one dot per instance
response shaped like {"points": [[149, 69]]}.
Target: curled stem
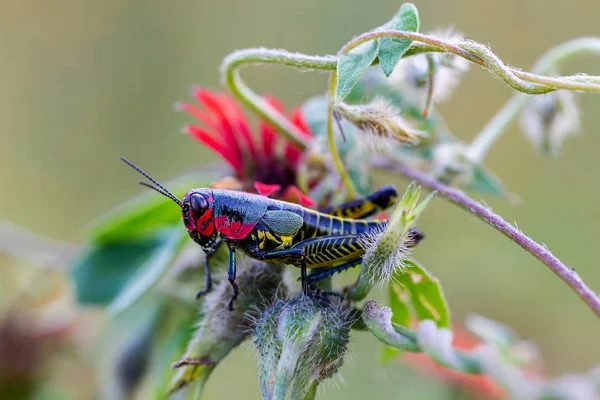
{"points": [[530, 83], [494, 129], [477, 53], [260, 56], [333, 150], [458, 197]]}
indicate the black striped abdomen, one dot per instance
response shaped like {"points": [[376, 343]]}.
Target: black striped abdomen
{"points": [[319, 224]]}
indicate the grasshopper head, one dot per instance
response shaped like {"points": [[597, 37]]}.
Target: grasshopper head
{"points": [[197, 212], [196, 207]]}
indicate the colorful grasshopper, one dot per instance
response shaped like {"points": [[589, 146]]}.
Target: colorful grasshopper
{"points": [[279, 232]]}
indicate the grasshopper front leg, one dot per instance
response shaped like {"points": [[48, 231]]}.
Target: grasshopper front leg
{"points": [[207, 274]]}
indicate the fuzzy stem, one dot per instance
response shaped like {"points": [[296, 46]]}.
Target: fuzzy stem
{"points": [[545, 64], [488, 136], [458, 197], [333, 150], [260, 56], [285, 372], [522, 81], [479, 54], [378, 322], [431, 67], [487, 358], [312, 391]]}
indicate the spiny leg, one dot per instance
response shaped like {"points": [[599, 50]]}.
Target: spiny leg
{"points": [[333, 270], [325, 251], [207, 274], [380, 200], [318, 251], [231, 275], [304, 278]]}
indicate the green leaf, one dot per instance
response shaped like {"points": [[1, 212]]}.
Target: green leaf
{"points": [[352, 65], [426, 294], [400, 316], [136, 337], [150, 270], [176, 329], [397, 302], [392, 49], [144, 215], [106, 271], [484, 181]]}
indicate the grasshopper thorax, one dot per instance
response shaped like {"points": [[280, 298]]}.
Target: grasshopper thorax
{"points": [[197, 208]]}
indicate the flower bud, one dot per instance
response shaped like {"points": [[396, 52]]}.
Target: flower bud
{"points": [[549, 119], [300, 343], [451, 164], [221, 330], [386, 251], [443, 71], [381, 120]]}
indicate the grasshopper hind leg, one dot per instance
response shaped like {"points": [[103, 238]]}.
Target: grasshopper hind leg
{"points": [[333, 270]]}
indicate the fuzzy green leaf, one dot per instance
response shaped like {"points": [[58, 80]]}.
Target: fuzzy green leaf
{"points": [[392, 49], [484, 181], [151, 270], [401, 316], [124, 270], [399, 306], [352, 66], [426, 294], [173, 335]]}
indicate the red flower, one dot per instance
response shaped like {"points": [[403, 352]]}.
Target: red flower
{"points": [[479, 386], [267, 164]]}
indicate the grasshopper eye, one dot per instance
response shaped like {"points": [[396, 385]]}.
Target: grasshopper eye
{"points": [[199, 205]]}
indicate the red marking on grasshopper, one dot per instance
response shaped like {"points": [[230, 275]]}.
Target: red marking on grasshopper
{"points": [[204, 224], [233, 229]]}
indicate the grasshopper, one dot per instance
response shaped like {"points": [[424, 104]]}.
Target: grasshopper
{"points": [[279, 232]]}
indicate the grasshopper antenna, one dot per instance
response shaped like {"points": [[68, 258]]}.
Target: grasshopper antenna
{"points": [[158, 188]]}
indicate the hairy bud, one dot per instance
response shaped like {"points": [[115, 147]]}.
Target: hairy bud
{"points": [[300, 343], [550, 119], [386, 251], [221, 330], [451, 164], [443, 71], [381, 120]]}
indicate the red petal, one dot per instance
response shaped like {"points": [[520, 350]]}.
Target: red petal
{"points": [[265, 189], [211, 102], [297, 119], [240, 123], [292, 154], [293, 194], [196, 112], [209, 141], [267, 132]]}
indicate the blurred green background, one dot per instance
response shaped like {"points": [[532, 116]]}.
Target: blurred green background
{"points": [[84, 82]]}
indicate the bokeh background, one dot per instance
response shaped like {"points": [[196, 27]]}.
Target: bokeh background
{"points": [[84, 82]]}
